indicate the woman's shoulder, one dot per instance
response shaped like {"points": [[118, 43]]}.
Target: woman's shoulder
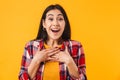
{"points": [[33, 42], [74, 42]]}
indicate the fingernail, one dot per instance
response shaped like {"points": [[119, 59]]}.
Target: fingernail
{"points": [[55, 47]]}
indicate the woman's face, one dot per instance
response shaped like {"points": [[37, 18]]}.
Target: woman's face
{"points": [[54, 24]]}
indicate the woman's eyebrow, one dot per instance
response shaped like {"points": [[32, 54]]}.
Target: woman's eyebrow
{"points": [[50, 15], [53, 15], [60, 15]]}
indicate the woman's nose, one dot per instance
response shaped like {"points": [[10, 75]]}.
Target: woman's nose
{"points": [[55, 23]]}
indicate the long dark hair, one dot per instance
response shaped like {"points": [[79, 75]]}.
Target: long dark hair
{"points": [[42, 34]]}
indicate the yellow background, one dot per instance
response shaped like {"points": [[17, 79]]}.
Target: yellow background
{"points": [[95, 23]]}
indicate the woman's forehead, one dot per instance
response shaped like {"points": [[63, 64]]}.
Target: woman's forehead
{"points": [[54, 12]]}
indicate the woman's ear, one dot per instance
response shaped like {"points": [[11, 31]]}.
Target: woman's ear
{"points": [[43, 23]]}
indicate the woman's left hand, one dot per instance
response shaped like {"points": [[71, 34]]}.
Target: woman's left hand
{"points": [[62, 56]]}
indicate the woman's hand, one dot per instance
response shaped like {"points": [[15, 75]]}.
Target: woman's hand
{"points": [[62, 56], [40, 56], [45, 55]]}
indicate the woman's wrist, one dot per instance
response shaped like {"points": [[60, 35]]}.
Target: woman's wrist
{"points": [[69, 61], [72, 68], [36, 61], [32, 68]]}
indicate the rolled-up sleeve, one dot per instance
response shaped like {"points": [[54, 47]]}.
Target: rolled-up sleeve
{"points": [[23, 75], [81, 63], [78, 56]]}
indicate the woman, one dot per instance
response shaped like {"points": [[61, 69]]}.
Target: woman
{"points": [[52, 55]]}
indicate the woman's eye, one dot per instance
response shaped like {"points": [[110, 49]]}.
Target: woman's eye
{"points": [[51, 19], [60, 19]]}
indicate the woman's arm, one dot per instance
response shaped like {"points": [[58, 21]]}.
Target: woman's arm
{"points": [[39, 57], [29, 65], [77, 72], [23, 75], [72, 68], [64, 56], [33, 67], [75, 61], [81, 63]]}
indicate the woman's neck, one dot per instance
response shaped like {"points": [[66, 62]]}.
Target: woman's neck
{"points": [[54, 43]]}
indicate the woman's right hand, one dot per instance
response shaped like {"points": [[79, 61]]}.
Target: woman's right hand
{"points": [[45, 55], [40, 56]]}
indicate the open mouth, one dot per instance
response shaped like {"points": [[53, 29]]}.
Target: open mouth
{"points": [[53, 30]]}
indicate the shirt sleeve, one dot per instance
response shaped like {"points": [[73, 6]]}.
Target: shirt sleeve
{"points": [[78, 56], [81, 63], [23, 75]]}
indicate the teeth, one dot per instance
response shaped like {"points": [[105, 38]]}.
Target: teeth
{"points": [[54, 30]]}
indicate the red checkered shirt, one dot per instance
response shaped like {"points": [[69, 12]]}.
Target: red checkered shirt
{"points": [[75, 49]]}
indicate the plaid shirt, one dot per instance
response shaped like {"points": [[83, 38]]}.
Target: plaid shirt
{"points": [[75, 50]]}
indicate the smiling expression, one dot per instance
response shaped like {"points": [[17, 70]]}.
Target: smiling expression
{"points": [[54, 24]]}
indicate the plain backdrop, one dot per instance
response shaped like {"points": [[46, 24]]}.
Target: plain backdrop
{"points": [[95, 23]]}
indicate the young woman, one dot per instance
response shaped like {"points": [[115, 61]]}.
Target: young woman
{"points": [[52, 55]]}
